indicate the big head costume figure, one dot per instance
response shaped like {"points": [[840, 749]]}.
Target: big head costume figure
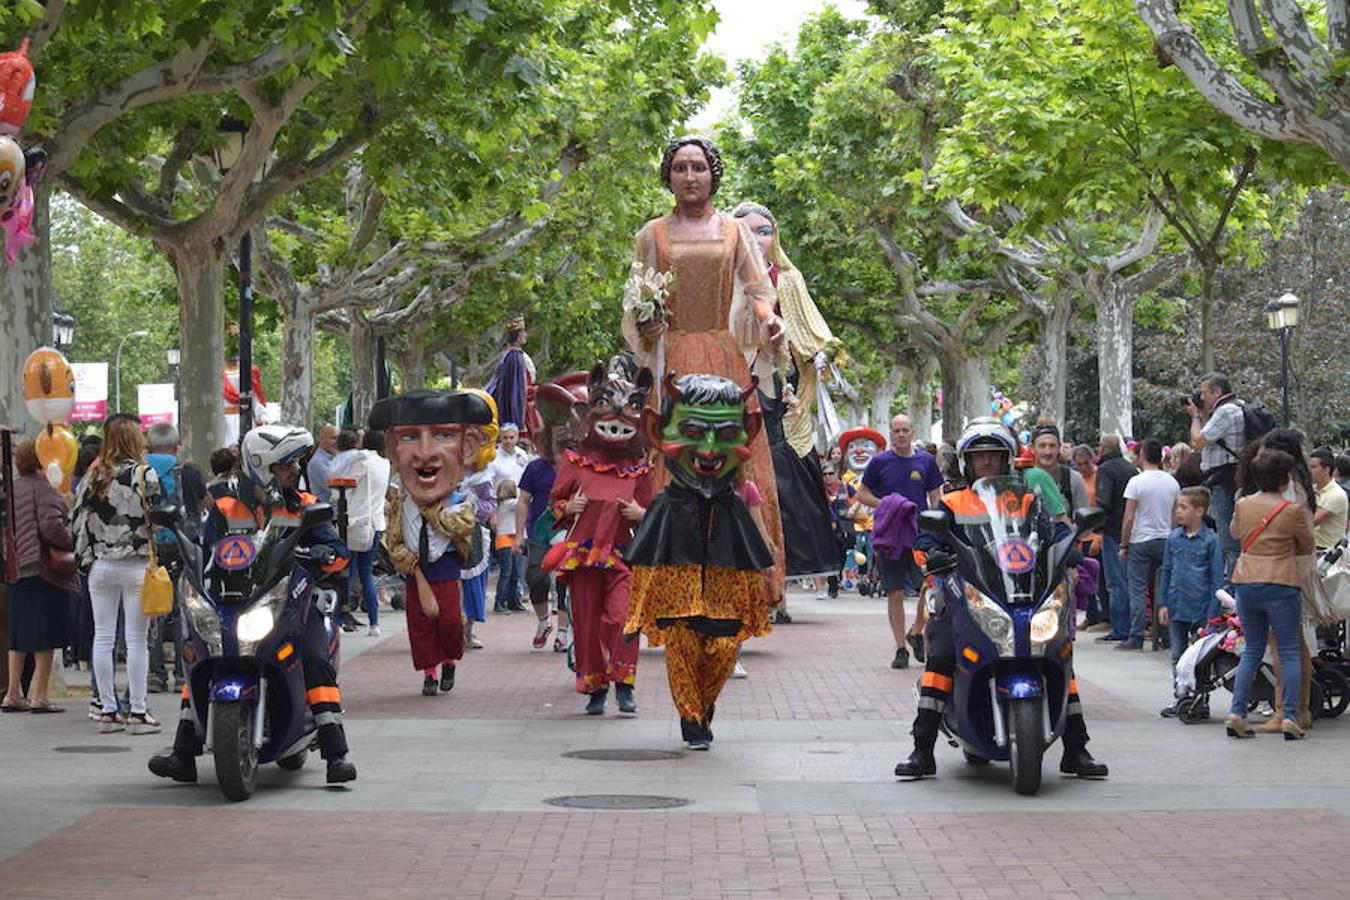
{"points": [[859, 446], [704, 430], [698, 558], [602, 490], [433, 437]]}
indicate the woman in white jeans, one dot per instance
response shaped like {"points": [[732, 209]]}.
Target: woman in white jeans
{"points": [[112, 541]]}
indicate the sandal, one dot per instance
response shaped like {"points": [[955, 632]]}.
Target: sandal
{"points": [[143, 723], [15, 704], [46, 706], [110, 722]]}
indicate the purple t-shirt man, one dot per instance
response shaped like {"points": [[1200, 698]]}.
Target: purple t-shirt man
{"points": [[912, 476], [537, 480]]}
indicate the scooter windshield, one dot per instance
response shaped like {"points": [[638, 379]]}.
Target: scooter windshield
{"points": [[1012, 539], [240, 561]]}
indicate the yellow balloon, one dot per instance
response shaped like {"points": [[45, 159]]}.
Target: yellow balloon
{"points": [[57, 444], [48, 385]]}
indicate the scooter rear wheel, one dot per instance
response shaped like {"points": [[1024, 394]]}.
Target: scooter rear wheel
{"points": [[1025, 727], [232, 743]]}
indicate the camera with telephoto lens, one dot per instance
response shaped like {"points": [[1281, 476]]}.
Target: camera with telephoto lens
{"points": [[1193, 399]]}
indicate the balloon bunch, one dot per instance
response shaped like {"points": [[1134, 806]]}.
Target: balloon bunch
{"points": [[49, 394], [20, 169], [1003, 409]]}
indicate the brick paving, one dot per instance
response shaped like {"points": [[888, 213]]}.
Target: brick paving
{"points": [[636, 855], [819, 668]]}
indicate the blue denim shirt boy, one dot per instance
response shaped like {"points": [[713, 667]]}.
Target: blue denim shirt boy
{"points": [[1192, 571]]}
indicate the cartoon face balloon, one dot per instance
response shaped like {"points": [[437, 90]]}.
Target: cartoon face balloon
{"points": [[12, 168], [48, 386]]}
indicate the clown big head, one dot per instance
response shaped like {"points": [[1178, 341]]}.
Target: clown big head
{"points": [[616, 397], [859, 445], [433, 437], [704, 430]]}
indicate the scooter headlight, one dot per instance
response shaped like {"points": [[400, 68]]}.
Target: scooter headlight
{"points": [[258, 620], [992, 620], [255, 624], [1049, 620], [202, 617], [1044, 626]]}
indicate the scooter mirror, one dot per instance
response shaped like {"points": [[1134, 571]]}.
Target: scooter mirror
{"points": [[936, 521], [1088, 518]]}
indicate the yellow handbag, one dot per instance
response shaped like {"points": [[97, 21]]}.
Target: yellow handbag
{"points": [[156, 588]]}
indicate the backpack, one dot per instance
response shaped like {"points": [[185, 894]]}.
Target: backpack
{"points": [[1256, 423], [171, 488]]}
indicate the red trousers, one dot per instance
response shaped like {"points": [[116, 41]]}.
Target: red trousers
{"points": [[599, 604], [438, 640]]}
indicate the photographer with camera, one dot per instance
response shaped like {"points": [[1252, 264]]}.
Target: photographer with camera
{"points": [[1219, 427]]}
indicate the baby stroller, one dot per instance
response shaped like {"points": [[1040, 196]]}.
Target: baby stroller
{"points": [[1211, 661]]}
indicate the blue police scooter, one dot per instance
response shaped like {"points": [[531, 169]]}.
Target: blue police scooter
{"points": [[1009, 604], [246, 605]]}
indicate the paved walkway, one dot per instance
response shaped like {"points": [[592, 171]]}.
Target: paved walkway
{"points": [[796, 799]]}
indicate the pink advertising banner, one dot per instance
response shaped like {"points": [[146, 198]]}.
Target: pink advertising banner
{"points": [[91, 392], [156, 403]]}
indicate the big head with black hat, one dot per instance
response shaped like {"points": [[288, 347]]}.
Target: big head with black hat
{"points": [[432, 436]]}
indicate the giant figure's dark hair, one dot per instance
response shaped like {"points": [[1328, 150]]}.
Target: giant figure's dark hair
{"points": [[710, 152]]}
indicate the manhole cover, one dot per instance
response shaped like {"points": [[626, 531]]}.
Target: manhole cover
{"points": [[617, 801], [624, 755], [92, 748]]}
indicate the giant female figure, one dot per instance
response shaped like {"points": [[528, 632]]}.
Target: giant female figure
{"points": [[720, 314]]}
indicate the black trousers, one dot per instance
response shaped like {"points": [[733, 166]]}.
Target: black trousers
{"points": [[935, 690]]}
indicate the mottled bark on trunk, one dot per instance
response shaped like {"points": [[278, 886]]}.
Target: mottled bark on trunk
{"points": [[1207, 277], [297, 362], [1115, 351], [952, 421], [413, 365], [361, 335], [975, 390], [919, 397], [1055, 348], [200, 272], [883, 396], [25, 315]]}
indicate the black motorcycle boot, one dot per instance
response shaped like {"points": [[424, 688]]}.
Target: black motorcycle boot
{"points": [[1079, 762], [172, 764], [921, 762], [596, 705], [624, 694], [340, 771]]}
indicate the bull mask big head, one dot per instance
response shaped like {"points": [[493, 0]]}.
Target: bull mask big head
{"points": [[704, 429], [616, 398]]}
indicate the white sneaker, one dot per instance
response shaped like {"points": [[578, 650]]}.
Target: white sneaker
{"points": [[739, 671], [475, 643], [374, 631]]}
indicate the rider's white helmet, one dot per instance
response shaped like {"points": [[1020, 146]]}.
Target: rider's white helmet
{"points": [[982, 435], [269, 445]]}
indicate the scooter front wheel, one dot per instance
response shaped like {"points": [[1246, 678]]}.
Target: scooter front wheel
{"points": [[232, 743], [1025, 733]]}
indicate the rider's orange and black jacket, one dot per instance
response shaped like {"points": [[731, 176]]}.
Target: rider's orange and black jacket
{"points": [[968, 509], [232, 515]]}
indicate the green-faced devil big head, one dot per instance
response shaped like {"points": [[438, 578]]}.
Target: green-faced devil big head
{"points": [[704, 429]]}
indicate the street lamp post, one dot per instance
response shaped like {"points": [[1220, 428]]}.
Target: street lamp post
{"points": [[1282, 316], [63, 330], [117, 364]]}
